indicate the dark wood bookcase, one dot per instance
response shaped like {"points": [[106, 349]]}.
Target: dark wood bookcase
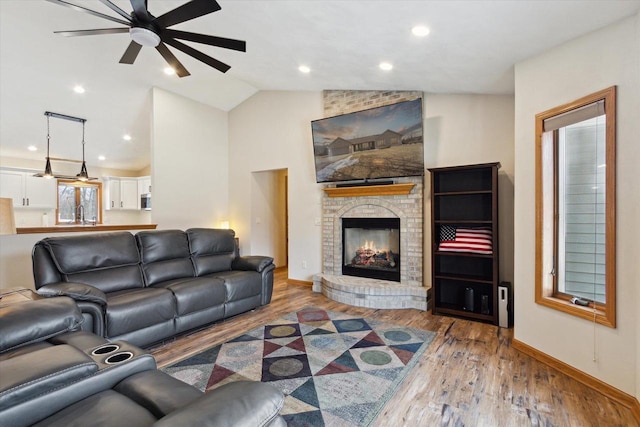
{"points": [[465, 284]]}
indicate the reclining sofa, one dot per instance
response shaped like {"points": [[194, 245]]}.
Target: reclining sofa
{"points": [[52, 374], [148, 287]]}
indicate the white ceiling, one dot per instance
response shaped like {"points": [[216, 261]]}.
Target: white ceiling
{"points": [[472, 48]]}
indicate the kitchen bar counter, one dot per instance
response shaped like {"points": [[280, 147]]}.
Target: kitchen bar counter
{"points": [[85, 228]]}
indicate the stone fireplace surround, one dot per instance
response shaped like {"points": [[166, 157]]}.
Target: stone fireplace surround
{"points": [[373, 293]]}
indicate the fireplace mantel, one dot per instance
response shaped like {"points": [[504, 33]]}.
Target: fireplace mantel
{"points": [[370, 190]]}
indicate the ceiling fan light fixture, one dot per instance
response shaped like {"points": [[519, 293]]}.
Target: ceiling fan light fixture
{"points": [[144, 37]]}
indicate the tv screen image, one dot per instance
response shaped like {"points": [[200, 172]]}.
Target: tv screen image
{"points": [[382, 142]]}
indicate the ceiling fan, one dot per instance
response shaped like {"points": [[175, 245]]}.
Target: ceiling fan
{"points": [[148, 30]]}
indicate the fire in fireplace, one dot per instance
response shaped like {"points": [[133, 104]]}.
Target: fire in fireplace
{"points": [[371, 248]]}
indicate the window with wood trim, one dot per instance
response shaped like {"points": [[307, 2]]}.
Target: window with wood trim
{"points": [[79, 202], [575, 207]]}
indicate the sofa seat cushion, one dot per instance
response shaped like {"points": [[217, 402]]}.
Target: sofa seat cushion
{"points": [[107, 408], [135, 309], [195, 294], [240, 284]]}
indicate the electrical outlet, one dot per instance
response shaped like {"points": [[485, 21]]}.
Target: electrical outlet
{"points": [[304, 265], [317, 221]]}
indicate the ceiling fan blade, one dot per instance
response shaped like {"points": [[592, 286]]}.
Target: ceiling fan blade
{"points": [[186, 12], [89, 11], [116, 9], [95, 32], [140, 10], [210, 40], [131, 53], [172, 60], [220, 66]]}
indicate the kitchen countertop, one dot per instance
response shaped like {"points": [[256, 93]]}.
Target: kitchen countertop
{"points": [[85, 228]]}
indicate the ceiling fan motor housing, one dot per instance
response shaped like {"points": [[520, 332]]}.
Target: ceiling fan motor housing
{"points": [[144, 36]]}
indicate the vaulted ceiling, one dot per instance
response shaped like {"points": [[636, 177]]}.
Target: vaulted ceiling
{"points": [[472, 48]]}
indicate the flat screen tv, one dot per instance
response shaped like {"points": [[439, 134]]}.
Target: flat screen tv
{"points": [[382, 142]]}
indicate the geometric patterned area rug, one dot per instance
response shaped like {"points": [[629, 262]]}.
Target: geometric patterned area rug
{"points": [[335, 369]]}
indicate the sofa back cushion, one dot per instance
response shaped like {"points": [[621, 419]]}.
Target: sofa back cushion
{"points": [[212, 250], [108, 261], [165, 255], [38, 320]]}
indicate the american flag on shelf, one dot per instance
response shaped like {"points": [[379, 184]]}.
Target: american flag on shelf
{"points": [[458, 239]]}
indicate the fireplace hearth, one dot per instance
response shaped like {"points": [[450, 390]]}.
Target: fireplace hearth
{"points": [[371, 248]]}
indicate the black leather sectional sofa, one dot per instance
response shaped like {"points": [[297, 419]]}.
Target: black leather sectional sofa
{"points": [[52, 374], [147, 287]]}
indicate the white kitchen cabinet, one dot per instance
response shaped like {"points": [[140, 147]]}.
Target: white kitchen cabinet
{"points": [[27, 190], [129, 198], [144, 185], [122, 193]]}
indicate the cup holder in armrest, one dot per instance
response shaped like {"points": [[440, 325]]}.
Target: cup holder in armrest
{"points": [[105, 349], [118, 358]]}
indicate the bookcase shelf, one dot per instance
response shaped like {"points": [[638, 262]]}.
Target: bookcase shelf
{"points": [[465, 284]]}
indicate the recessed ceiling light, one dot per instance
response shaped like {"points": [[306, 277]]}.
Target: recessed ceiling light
{"points": [[78, 89], [420, 31], [304, 69], [32, 148], [169, 71], [386, 66], [126, 137], [102, 158]]}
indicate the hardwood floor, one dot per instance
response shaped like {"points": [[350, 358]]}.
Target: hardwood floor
{"points": [[469, 376]]}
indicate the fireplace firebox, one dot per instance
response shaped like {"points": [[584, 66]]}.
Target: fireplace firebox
{"points": [[371, 248]]}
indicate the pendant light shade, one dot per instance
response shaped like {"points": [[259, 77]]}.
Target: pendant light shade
{"points": [[83, 175], [47, 167]]}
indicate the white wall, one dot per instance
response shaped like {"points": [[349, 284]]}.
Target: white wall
{"points": [[585, 65], [471, 129], [269, 131], [189, 163], [272, 130]]}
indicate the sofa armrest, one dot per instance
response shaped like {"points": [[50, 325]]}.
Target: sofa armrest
{"points": [[77, 291], [240, 403], [94, 317], [251, 263]]}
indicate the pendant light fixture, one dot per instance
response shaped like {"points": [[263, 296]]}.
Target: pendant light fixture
{"points": [[48, 173], [83, 175], [47, 167]]}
